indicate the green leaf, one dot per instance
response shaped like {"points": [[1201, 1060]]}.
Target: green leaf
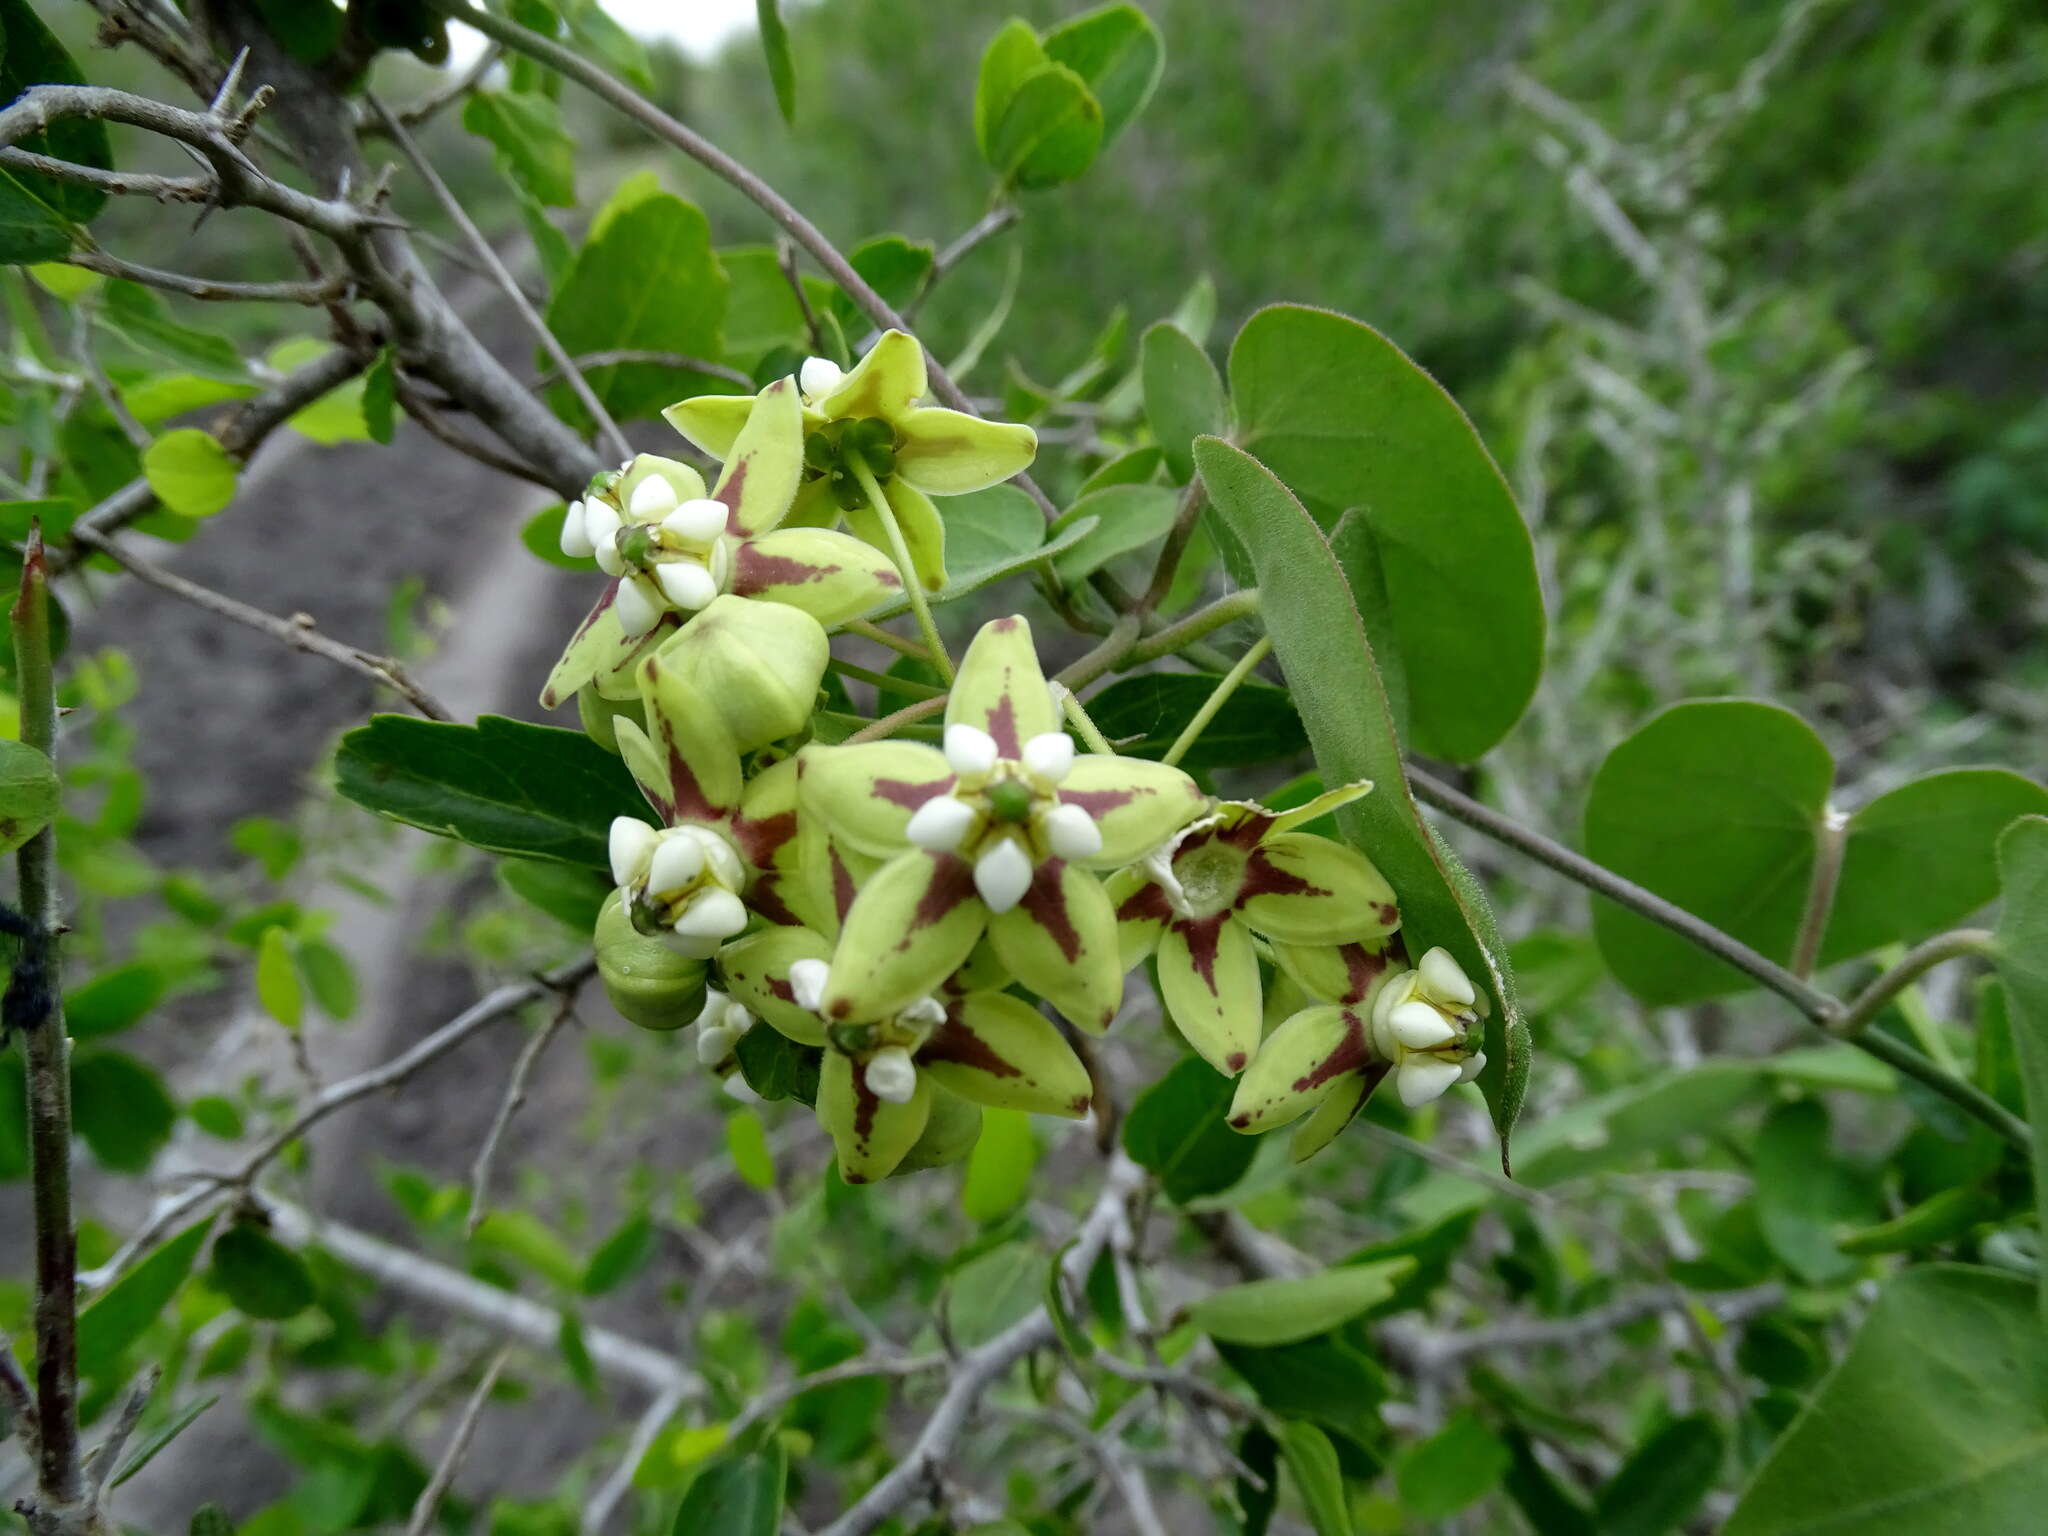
{"points": [[574, 1349], [1348, 421], [112, 1001], [309, 29], [121, 1109], [1184, 396], [1322, 648], [330, 978], [619, 50], [571, 896], [775, 48], [988, 528], [380, 396], [1665, 1480], [526, 1239], [1312, 1461], [210, 1520], [1924, 856], [1453, 1469], [1260, 1454], [2021, 953], [621, 1256], [500, 785], [136, 315], [533, 147], [1806, 1195], [1126, 518], [891, 265], [993, 1290], [1267, 1312], [542, 536], [1144, 714], [1935, 1420], [970, 579], [746, 1142], [1176, 1128], [999, 1168], [1050, 130], [165, 1433], [31, 55], [113, 1320], [278, 987], [160, 396], [29, 231], [646, 279], [1012, 53], [190, 472], [776, 1067], [29, 793], [1715, 805], [259, 1275], [1118, 52], [1073, 1336], [740, 1496]]}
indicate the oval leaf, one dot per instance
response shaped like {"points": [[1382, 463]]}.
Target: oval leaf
{"points": [[1286, 1311], [261, 1276], [190, 472], [29, 793]]}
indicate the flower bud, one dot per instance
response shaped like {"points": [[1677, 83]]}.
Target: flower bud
{"points": [[648, 983], [600, 716], [575, 537], [758, 664]]}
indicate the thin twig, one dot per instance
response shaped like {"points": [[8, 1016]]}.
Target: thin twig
{"points": [[510, 1105], [1863, 1009], [429, 1501], [990, 224], [106, 1456], [436, 426], [209, 288], [298, 632], [681, 362], [521, 305], [598, 1512]]}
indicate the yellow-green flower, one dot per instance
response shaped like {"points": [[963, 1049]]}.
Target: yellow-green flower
{"points": [[871, 413], [1376, 1019], [674, 550], [997, 833], [1237, 875]]}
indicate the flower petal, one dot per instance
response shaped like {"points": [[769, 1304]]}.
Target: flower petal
{"points": [[767, 460], [756, 971], [1328, 801], [1000, 1051], [1304, 889], [1209, 981], [911, 926], [760, 664], [686, 763], [870, 1134], [780, 847], [1137, 805], [883, 383], [1142, 912], [682, 480], [831, 576], [712, 422], [1000, 688], [598, 649], [1341, 973], [1297, 1065], [950, 1133], [924, 532], [1061, 938], [1340, 1106], [949, 453], [865, 794]]}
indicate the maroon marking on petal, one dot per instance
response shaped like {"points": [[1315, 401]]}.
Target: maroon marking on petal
{"points": [[1204, 937], [865, 1104], [1235, 1061], [954, 1042], [729, 493], [843, 890], [1002, 725], [1388, 912], [1351, 1054], [1262, 877], [1147, 903], [1081, 1104], [1046, 905], [910, 796], [1249, 833], [766, 899], [761, 836], [1004, 625], [1098, 803], [1361, 969], [691, 803], [753, 571], [951, 884]]}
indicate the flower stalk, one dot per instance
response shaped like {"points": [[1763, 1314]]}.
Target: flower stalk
{"points": [[899, 551]]}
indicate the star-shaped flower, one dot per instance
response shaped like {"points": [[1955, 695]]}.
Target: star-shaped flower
{"points": [[674, 550], [872, 413], [1420, 1025], [1238, 874], [997, 833]]}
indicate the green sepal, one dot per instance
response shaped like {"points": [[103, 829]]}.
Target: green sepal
{"points": [[1209, 982], [1062, 937], [1000, 1051], [648, 983], [871, 1135], [913, 923], [1304, 889], [756, 972]]}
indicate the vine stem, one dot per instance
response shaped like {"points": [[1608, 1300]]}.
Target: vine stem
{"points": [[1183, 633], [1846, 1023], [1083, 722], [62, 1501], [899, 551], [1820, 893], [1218, 697]]}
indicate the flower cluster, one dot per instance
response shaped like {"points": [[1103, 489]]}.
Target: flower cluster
{"points": [[903, 907]]}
